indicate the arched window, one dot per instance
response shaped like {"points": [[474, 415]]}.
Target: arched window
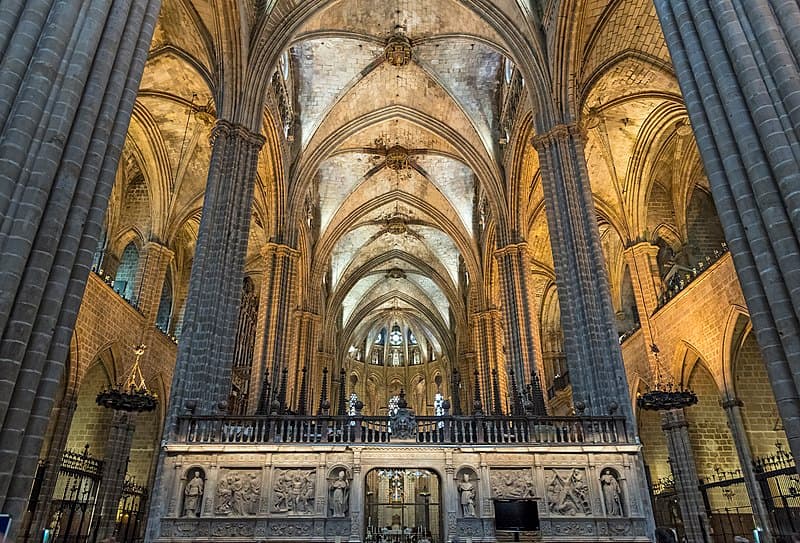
{"points": [[126, 272], [165, 305]]}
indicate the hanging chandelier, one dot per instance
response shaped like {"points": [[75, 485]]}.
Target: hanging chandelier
{"points": [[133, 396], [665, 394]]}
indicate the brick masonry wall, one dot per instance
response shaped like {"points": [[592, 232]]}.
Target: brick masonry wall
{"points": [[759, 412], [709, 434]]}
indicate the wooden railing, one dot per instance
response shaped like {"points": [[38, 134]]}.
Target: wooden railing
{"points": [[446, 430]]}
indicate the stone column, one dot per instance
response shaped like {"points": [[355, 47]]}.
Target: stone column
{"points": [[356, 500], [684, 471], [203, 369], [273, 333], [115, 464], [733, 410], [150, 278], [641, 259], [521, 322], [487, 338], [591, 343], [736, 63], [304, 351], [61, 137]]}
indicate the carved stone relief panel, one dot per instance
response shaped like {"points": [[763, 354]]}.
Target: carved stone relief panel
{"points": [[512, 484], [293, 491], [238, 492], [567, 492]]}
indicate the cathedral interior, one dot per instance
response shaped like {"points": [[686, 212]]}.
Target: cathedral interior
{"points": [[386, 271]]}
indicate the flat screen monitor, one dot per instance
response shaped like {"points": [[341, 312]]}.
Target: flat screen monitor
{"points": [[516, 515]]}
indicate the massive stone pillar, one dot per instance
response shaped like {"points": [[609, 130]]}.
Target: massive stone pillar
{"points": [[737, 66], [201, 381], [115, 463], [69, 72], [590, 340], [487, 339], [684, 472], [273, 333], [521, 322], [305, 348], [733, 410]]}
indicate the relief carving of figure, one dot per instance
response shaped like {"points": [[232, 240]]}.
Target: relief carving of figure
{"points": [[294, 492], [466, 489], [512, 484], [193, 496], [612, 493], [568, 495], [340, 495], [238, 494]]}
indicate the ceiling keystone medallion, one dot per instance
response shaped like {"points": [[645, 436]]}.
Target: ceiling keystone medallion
{"points": [[398, 49], [397, 158]]}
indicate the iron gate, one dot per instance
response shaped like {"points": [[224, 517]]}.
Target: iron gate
{"points": [[728, 506], [132, 511], [75, 497], [666, 508], [780, 485]]}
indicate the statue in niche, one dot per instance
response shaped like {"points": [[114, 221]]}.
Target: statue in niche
{"points": [[238, 494], [395, 358], [294, 492], [466, 490], [419, 396], [340, 495], [193, 496], [612, 493]]}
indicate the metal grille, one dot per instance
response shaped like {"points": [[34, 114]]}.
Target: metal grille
{"points": [[75, 497], [780, 485], [131, 514]]}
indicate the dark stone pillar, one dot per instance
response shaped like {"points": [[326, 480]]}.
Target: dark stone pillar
{"points": [[736, 63], [590, 340], [69, 72], [274, 332], [202, 379], [733, 409], [115, 465], [520, 320], [684, 471], [203, 369]]}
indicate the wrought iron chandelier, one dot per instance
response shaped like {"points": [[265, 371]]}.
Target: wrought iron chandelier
{"points": [[133, 396], [665, 394]]}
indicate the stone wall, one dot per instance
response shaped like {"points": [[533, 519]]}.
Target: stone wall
{"points": [[285, 493]]}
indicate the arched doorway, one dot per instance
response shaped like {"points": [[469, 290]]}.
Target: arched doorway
{"points": [[403, 506]]}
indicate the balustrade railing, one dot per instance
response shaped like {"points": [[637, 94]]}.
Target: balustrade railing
{"points": [[444, 430]]}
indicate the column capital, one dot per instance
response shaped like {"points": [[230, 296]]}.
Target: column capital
{"points": [[674, 419], [224, 128], [731, 403], [156, 247], [559, 132], [487, 314], [306, 315], [642, 247], [512, 249], [279, 249]]}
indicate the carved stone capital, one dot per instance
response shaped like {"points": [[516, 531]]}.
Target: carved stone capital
{"points": [[560, 132], [227, 129]]}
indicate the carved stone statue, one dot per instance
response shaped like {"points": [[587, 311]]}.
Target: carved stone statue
{"points": [[293, 492], [340, 495], [612, 493], [466, 489], [193, 496]]}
